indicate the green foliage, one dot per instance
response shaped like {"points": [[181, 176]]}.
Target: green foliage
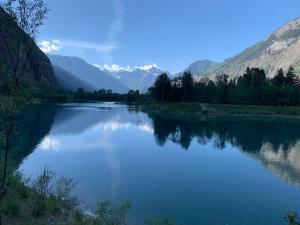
{"points": [[187, 86], [161, 88], [11, 209], [43, 185], [111, 214], [252, 88], [291, 218], [279, 78], [64, 188], [161, 222]]}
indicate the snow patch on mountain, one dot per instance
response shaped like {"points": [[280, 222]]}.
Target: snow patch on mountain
{"points": [[114, 68]]}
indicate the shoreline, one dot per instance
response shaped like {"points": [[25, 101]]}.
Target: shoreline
{"points": [[217, 110]]}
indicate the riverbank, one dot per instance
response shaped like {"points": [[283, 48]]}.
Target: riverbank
{"points": [[221, 109]]}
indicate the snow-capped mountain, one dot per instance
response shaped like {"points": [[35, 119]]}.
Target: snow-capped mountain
{"points": [[135, 78]]}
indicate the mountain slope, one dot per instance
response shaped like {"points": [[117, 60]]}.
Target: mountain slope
{"points": [[199, 67], [138, 79], [38, 67], [88, 73], [69, 82], [280, 50]]}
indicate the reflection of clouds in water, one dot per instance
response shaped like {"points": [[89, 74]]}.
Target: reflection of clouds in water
{"points": [[115, 125], [49, 144], [114, 165], [96, 138], [75, 143]]}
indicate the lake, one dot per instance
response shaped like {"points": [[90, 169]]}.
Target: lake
{"points": [[195, 170]]}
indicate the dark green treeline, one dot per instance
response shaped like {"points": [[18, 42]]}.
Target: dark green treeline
{"points": [[252, 88]]}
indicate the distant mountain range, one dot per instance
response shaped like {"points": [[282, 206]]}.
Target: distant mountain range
{"points": [[92, 76], [74, 72], [140, 78]]}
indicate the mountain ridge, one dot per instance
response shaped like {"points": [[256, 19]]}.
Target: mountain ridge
{"points": [[88, 73], [280, 49], [37, 67]]}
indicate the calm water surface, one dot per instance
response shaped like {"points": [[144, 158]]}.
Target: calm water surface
{"points": [[211, 171]]}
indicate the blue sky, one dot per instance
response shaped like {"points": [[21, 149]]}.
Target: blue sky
{"points": [[169, 33]]}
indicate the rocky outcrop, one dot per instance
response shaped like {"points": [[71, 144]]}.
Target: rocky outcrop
{"points": [[18, 48], [281, 49]]}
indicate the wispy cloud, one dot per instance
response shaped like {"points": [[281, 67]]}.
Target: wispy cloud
{"points": [[102, 48], [117, 24], [49, 46]]}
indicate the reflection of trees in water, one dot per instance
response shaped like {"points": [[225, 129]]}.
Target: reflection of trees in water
{"points": [[33, 126], [247, 134], [273, 142]]}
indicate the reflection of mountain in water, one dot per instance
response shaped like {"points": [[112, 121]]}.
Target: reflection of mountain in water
{"points": [[274, 142], [285, 163], [76, 118], [34, 125]]}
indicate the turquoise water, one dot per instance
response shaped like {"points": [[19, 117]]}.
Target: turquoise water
{"points": [[195, 170]]}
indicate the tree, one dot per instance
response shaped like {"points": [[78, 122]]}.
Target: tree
{"points": [[291, 218], [28, 14], [279, 78], [187, 86], [291, 76], [222, 87], [80, 93], [258, 77], [161, 89]]}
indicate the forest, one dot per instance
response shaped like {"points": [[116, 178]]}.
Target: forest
{"points": [[252, 88]]}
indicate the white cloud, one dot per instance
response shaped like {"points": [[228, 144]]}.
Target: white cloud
{"points": [[50, 46]]}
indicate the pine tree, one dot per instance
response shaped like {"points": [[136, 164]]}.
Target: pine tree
{"points": [[291, 76], [279, 79]]}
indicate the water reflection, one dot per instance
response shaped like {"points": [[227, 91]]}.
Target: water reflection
{"points": [[32, 128], [274, 142], [76, 127], [168, 164]]}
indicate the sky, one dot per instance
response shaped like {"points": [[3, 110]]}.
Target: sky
{"points": [[169, 33]]}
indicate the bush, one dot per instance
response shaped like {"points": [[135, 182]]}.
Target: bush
{"points": [[112, 214], [161, 222], [11, 209], [291, 218]]}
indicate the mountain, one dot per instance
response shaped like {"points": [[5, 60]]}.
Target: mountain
{"points": [[70, 82], [38, 69], [199, 67], [88, 73], [279, 50], [141, 78]]}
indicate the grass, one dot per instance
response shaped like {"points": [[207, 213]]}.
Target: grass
{"points": [[222, 109]]}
